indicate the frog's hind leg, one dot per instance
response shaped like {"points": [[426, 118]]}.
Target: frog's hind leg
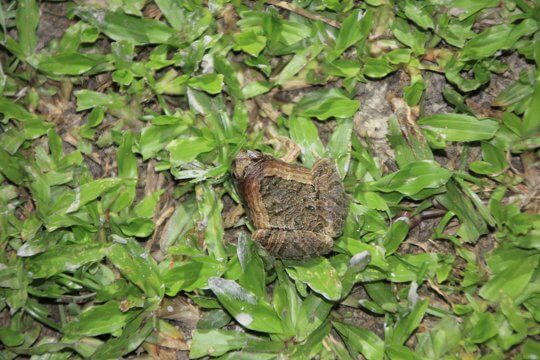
{"points": [[293, 244], [332, 201]]}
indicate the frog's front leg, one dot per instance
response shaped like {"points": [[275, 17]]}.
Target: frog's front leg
{"points": [[293, 244], [332, 199], [293, 150]]}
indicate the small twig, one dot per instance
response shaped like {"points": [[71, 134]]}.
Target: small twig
{"points": [[302, 12], [233, 216], [77, 299], [73, 142], [428, 214], [436, 288], [165, 215]]}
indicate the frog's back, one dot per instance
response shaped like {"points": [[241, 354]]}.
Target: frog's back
{"points": [[290, 205]]}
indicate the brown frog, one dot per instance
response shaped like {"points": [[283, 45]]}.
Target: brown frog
{"points": [[297, 211]]}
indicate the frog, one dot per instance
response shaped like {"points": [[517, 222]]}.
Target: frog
{"points": [[296, 211]]}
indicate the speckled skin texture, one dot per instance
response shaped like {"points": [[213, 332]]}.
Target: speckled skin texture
{"points": [[297, 211]]}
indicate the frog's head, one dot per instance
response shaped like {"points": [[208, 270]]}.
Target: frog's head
{"points": [[243, 161]]}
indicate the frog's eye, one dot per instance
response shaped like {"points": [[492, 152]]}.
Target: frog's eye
{"points": [[311, 207]]}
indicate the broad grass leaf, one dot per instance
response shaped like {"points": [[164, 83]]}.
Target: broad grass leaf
{"points": [[479, 205], [11, 167], [87, 99], [297, 63], [70, 63], [11, 140], [85, 346], [253, 275], [216, 342], [466, 8], [496, 38], [406, 268], [354, 28], [171, 83], [98, 320], [147, 206], [191, 275], [413, 93], [133, 335], [138, 267], [398, 56], [127, 169], [381, 293], [372, 200], [10, 337], [531, 120], [530, 349], [485, 327], [27, 21], [407, 325], [191, 24], [313, 345], [417, 13], [289, 32], [362, 340], [521, 89], [244, 355], [217, 119], [408, 142], [179, 224], [76, 35], [409, 35], [155, 138], [185, 150], [326, 103], [256, 88], [63, 258], [306, 135], [356, 246], [313, 313], [210, 206], [457, 127], [174, 12], [286, 300], [119, 26], [472, 224], [214, 319], [339, 145], [250, 41], [344, 68], [466, 83], [210, 83], [494, 160], [72, 201], [441, 340], [249, 310], [455, 32], [377, 67], [355, 265], [34, 127], [127, 162], [394, 351], [137, 227], [224, 66], [515, 270], [394, 237], [413, 178], [318, 274]]}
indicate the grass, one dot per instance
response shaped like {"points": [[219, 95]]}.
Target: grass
{"points": [[119, 222]]}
